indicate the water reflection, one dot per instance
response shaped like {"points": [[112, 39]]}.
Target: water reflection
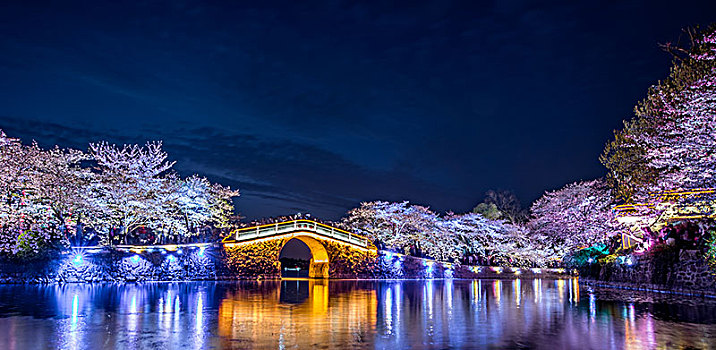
{"points": [[366, 314], [346, 318], [295, 291]]}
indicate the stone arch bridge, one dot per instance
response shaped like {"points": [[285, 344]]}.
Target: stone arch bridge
{"points": [[336, 253]]}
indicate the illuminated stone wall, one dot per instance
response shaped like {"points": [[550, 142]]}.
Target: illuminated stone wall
{"points": [[253, 260], [114, 266], [348, 262], [669, 269], [390, 265], [257, 260]]}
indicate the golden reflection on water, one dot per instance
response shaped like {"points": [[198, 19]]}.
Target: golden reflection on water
{"points": [[297, 313], [516, 313]]}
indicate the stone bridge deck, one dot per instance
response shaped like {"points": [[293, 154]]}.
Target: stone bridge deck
{"points": [[282, 228]]}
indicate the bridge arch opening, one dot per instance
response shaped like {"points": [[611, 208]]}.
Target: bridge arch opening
{"points": [[293, 255]]}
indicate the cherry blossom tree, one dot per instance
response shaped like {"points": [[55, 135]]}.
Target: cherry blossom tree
{"points": [[470, 238], [664, 159], [48, 196], [671, 142], [487, 241], [474, 234], [680, 114], [629, 172], [198, 203], [60, 183], [38, 191], [129, 191], [578, 215], [135, 189], [396, 225]]}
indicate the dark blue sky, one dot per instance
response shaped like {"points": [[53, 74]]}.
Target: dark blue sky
{"points": [[309, 107]]}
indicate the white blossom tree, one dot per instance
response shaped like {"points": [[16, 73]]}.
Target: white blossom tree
{"points": [[578, 215], [468, 238], [61, 184], [473, 233], [48, 196], [129, 191], [397, 225], [670, 144], [135, 188], [679, 115], [493, 241], [198, 203], [38, 192]]}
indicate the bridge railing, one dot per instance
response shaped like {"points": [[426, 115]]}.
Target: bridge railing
{"points": [[262, 231]]}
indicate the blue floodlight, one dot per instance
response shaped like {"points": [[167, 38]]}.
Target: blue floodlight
{"points": [[179, 251], [590, 260], [78, 259], [135, 258], [201, 251], [171, 257]]}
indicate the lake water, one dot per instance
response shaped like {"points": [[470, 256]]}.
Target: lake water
{"points": [[539, 314]]}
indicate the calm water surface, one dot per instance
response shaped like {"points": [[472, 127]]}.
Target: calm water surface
{"points": [[540, 314]]}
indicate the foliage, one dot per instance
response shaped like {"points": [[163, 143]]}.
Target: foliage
{"points": [[48, 197], [710, 252], [35, 209], [416, 230], [628, 170], [135, 189], [679, 118], [578, 215], [608, 259], [587, 255], [488, 210], [671, 143], [501, 205]]}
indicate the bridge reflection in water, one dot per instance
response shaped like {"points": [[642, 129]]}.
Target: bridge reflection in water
{"points": [[303, 316]]}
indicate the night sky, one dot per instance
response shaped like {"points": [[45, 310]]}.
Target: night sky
{"points": [[317, 107]]}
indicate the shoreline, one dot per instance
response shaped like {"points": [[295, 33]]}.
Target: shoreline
{"points": [[213, 262], [8, 281], [651, 288]]}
